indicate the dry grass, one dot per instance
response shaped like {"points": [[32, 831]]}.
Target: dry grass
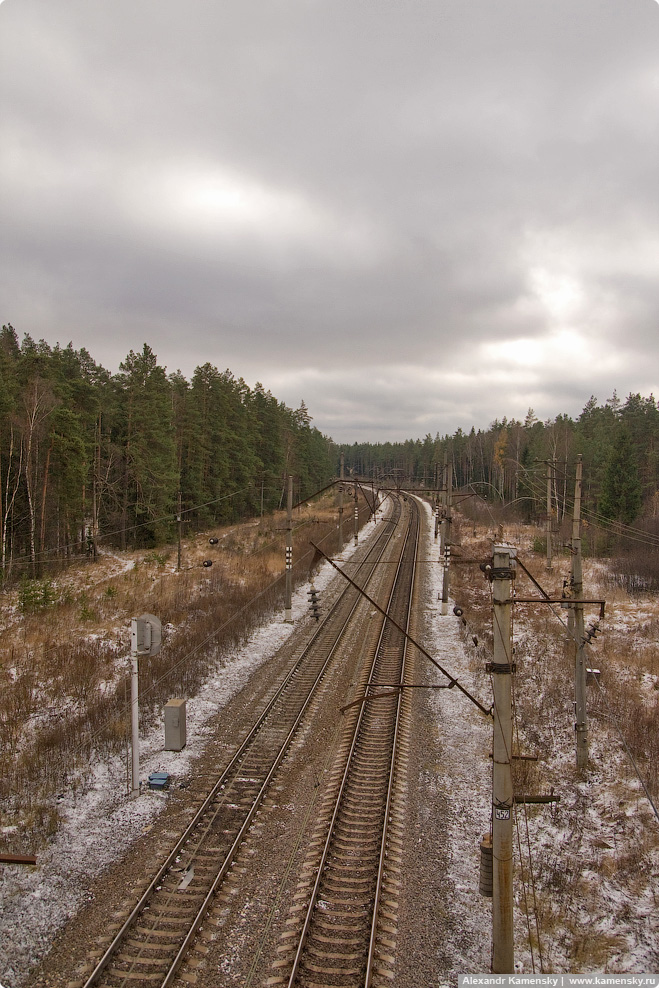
{"points": [[65, 669], [594, 853]]}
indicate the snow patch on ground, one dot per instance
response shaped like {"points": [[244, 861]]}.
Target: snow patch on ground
{"points": [[103, 820], [465, 739], [595, 854]]}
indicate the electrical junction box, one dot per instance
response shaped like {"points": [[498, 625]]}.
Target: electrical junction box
{"points": [[159, 780], [175, 725]]}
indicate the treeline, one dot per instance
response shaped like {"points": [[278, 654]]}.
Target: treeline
{"points": [[87, 455], [619, 443]]}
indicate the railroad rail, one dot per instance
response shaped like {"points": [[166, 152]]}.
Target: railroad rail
{"points": [[342, 923], [153, 941]]}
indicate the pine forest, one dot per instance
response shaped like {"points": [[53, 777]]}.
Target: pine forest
{"points": [[90, 459], [87, 455]]}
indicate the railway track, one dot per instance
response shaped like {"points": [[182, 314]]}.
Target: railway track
{"points": [[152, 943], [342, 925]]}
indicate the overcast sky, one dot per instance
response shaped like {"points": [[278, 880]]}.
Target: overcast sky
{"points": [[413, 214]]}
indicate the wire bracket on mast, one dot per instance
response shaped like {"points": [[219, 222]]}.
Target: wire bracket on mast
{"points": [[452, 679]]}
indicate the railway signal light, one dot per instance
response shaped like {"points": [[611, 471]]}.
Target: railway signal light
{"points": [[314, 606]]}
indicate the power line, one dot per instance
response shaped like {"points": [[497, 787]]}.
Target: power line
{"points": [[133, 528]]}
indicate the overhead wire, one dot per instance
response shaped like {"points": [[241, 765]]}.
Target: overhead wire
{"points": [[42, 554], [631, 532], [615, 723], [185, 658]]}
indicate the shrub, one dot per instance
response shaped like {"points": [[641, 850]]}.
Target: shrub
{"points": [[35, 595]]}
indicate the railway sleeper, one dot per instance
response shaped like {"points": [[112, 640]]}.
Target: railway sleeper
{"points": [[159, 934], [385, 941], [387, 914], [143, 943], [358, 941], [344, 908], [333, 955], [178, 912], [335, 927], [135, 962], [344, 884], [351, 972], [360, 870], [136, 976], [351, 843], [387, 959], [189, 894], [367, 801], [355, 821]]}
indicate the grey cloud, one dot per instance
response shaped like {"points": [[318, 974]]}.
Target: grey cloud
{"points": [[414, 164]]}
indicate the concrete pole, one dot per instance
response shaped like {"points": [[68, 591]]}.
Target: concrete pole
{"points": [[442, 508], [581, 726], [356, 513], [341, 477], [135, 723], [288, 605], [549, 479], [447, 538], [502, 783]]}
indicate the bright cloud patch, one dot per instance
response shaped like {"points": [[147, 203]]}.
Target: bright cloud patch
{"points": [[560, 294]]}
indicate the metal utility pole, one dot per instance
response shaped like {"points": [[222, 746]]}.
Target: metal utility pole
{"points": [[288, 606], [550, 464], [447, 537], [145, 638], [341, 477], [501, 669], [356, 513], [580, 726]]}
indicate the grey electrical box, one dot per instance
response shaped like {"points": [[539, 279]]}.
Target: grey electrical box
{"points": [[174, 725]]}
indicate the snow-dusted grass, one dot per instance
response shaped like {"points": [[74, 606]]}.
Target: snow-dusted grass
{"points": [[64, 672], [97, 821], [464, 738], [589, 881], [594, 855]]}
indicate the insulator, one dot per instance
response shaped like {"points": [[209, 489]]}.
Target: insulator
{"points": [[457, 611]]}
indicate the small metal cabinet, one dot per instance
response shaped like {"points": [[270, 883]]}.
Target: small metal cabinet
{"points": [[175, 725]]}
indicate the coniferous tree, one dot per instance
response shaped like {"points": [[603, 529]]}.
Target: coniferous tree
{"points": [[621, 491], [150, 477]]}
